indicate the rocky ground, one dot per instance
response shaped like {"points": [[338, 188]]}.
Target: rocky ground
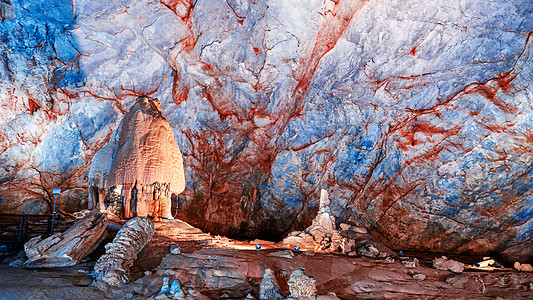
{"points": [[213, 267]]}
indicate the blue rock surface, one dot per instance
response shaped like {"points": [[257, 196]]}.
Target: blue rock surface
{"points": [[416, 117]]}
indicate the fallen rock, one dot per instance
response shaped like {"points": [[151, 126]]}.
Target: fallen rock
{"points": [[176, 292], [170, 291], [283, 253], [269, 288], [322, 236], [81, 214], [419, 276], [328, 296], [446, 264], [165, 288], [523, 267], [301, 286], [368, 250], [17, 263], [346, 227], [67, 248], [175, 249], [113, 267], [411, 263], [319, 235]]}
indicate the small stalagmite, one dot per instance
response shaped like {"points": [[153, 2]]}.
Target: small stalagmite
{"points": [[141, 166]]}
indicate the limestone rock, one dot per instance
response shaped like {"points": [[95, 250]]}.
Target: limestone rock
{"points": [[328, 296], [165, 288], [446, 264], [175, 291], [301, 286], [523, 267], [322, 236], [113, 267], [282, 253], [269, 100], [170, 290], [324, 219], [67, 248], [17, 263], [141, 165], [368, 250], [419, 276], [175, 249], [269, 288], [411, 263], [357, 229]]}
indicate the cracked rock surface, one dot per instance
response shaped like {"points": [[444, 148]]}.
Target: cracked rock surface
{"points": [[415, 116]]}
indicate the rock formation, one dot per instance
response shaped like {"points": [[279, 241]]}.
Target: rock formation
{"points": [[113, 267], [319, 235], [67, 248], [444, 263], [142, 161], [414, 115], [301, 285], [269, 288], [323, 236]]}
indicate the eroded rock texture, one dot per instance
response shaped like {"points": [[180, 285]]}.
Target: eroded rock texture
{"points": [[142, 161], [65, 249], [415, 116], [113, 267]]}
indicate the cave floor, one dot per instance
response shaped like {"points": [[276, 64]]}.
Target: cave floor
{"points": [[213, 267]]}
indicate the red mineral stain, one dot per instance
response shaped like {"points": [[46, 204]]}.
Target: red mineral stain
{"points": [[408, 133], [503, 82], [33, 106], [327, 38], [209, 68], [490, 89], [180, 92], [413, 51], [256, 50]]}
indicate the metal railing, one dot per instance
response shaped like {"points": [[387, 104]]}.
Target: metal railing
{"points": [[15, 229]]}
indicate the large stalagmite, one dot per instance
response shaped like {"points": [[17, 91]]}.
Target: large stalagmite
{"points": [[141, 165]]}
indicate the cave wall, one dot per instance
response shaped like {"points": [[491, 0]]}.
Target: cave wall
{"points": [[415, 116]]}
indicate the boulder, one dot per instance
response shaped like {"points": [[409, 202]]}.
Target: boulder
{"points": [[446, 264], [269, 287], [523, 267], [175, 249], [113, 267], [67, 248], [301, 285]]}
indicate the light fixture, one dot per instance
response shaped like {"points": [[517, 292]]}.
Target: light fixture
{"points": [[55, 192]]}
